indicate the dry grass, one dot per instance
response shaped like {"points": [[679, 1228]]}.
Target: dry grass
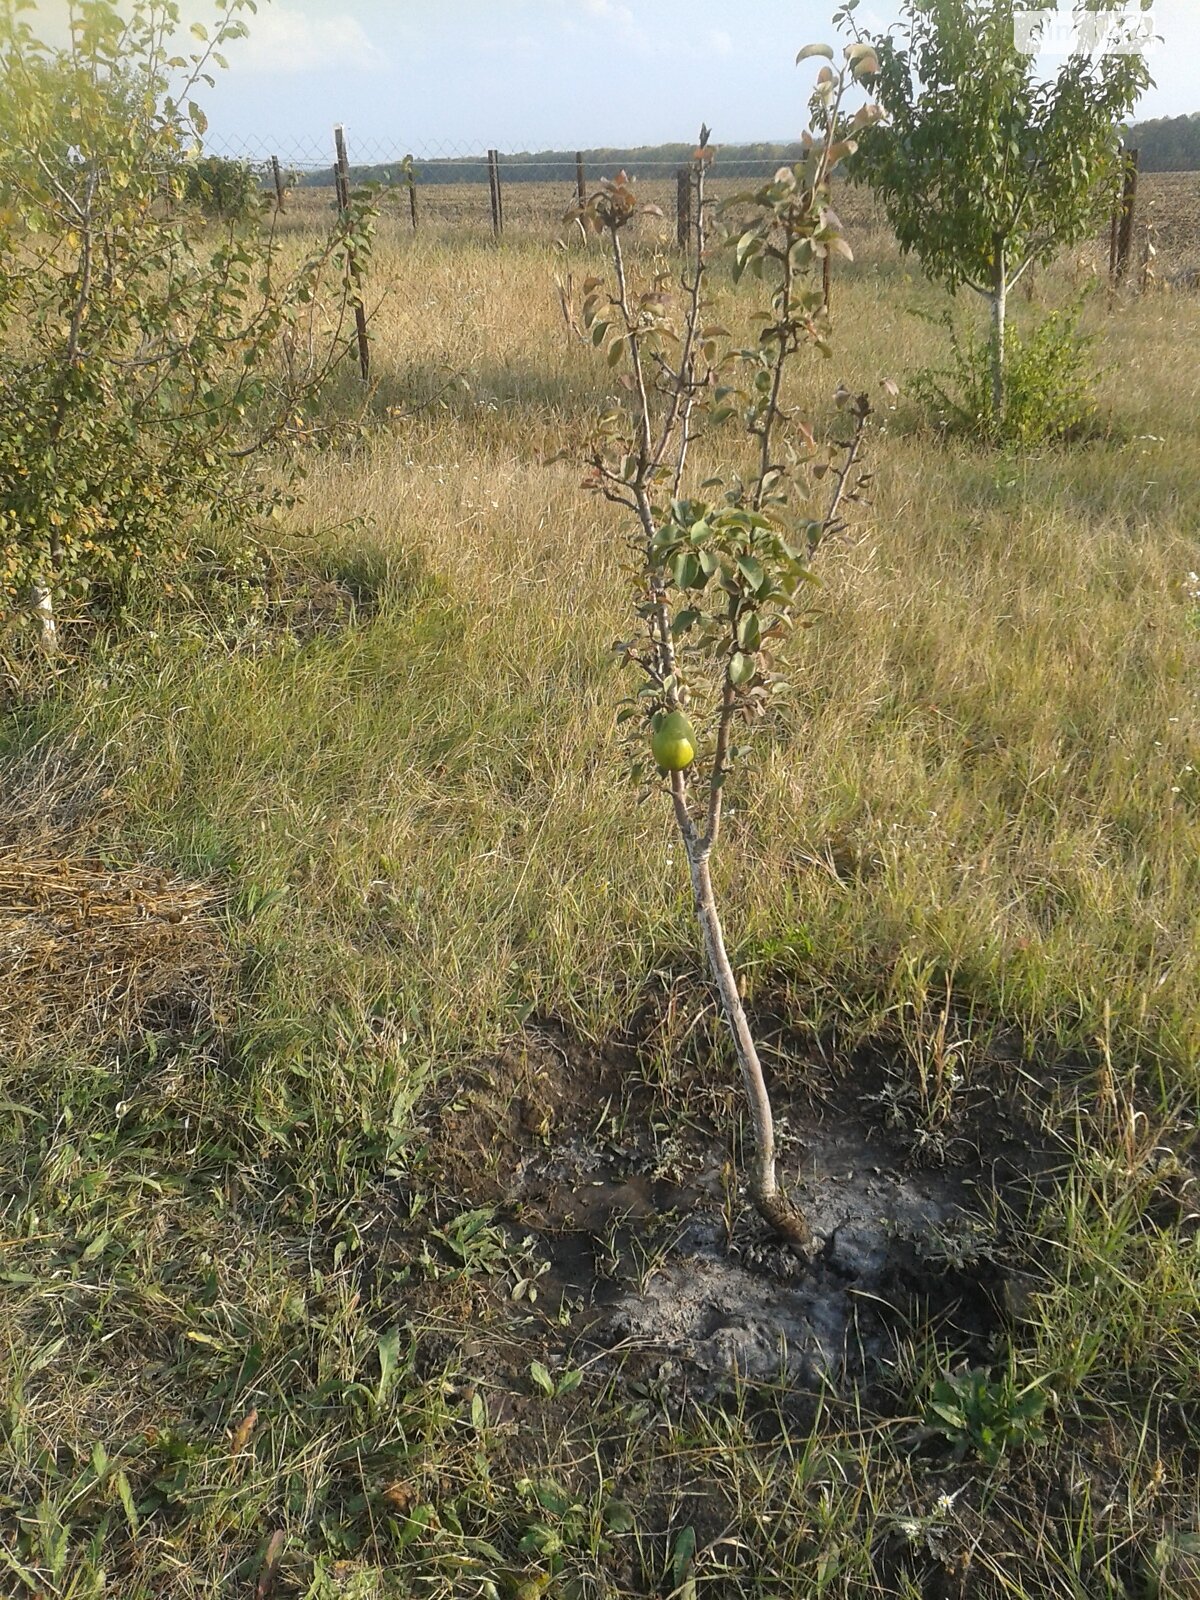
{"points": [[94, 948], [91, 949], [1170, 201]]}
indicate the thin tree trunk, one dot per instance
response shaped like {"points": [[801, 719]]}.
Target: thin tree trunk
{"points": [[43, 610], [41, 597], [787, 1221], [999, 298]]}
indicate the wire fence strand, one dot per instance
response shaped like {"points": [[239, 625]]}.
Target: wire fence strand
{"points": [[448, 185]]}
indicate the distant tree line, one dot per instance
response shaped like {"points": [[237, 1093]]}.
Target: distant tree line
{"points": [[1167, 144], [558, 166]]}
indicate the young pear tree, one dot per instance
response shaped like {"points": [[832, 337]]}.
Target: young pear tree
{"points": [[983, 167], [147, 356], [721, 570]]}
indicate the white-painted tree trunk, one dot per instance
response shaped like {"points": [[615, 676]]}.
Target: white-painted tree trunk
{"points": [[43, 610], [764, 1184], [999, 304]]}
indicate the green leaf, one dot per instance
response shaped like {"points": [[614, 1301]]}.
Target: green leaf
{"points": [[814, 50], [752, 570], [552, 1497], [682, 1555], [749, 244], [618, 1517], [389, 1356], [125, 1495], [749, 631], [541, 1377], [862, 59], [741, 669], [950, 1414], [687, 571]]}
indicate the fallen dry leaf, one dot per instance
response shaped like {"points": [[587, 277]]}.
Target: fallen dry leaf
{"points": [[239, 1437], [399, 1496], [270, 1567]]}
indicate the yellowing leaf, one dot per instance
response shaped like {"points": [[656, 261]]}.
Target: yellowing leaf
{"points": [[862, 58], [270, 1567], [239, 1438]]}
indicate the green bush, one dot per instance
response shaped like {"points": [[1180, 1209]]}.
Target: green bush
{"points": [[145, 367], [1048, 393], [221, 188]]}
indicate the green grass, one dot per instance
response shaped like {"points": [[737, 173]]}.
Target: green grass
{"points": [[419, 817]]}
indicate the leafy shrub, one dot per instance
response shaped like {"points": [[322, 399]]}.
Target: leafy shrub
{"points": [[144, 366], [221, 188], [1047, 397]]}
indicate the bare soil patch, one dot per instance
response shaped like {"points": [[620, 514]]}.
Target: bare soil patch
{"points": [[648, 1261], [305, 605]]}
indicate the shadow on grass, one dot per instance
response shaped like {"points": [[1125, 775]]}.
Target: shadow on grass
{"points": [[416, 390]]}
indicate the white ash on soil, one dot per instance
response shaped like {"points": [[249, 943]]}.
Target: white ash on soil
{"points": [[656, 1278]]}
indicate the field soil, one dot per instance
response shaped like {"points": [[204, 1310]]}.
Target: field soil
{"points": [[647, 1260]]}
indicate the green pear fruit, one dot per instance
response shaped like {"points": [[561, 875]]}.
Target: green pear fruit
{"points": [[674, 743]]}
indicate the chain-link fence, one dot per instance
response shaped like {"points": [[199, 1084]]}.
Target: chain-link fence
{"points": [[311, 163], [494, 191]]}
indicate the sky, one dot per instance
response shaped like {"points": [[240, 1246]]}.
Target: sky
{"points": [[455, 77]]}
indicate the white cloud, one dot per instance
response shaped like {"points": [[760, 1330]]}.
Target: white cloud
{"points": [[616, 19], [283, 41], [606, 11]]}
